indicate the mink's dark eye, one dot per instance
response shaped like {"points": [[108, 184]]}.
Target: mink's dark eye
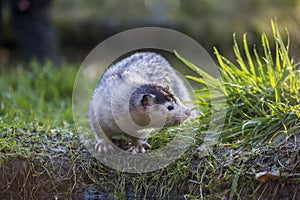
{"points": [[170, 108]]}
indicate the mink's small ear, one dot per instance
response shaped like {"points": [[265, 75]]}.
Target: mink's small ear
{"points": [[167, 87], [148, 100]]}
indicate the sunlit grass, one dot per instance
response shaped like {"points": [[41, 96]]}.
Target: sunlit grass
{"points": [[263, 91]]}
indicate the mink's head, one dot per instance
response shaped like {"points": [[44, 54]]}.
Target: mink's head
{"points": [[155, 102]]}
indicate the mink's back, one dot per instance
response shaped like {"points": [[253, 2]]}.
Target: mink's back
{"points": [[149, 66]]}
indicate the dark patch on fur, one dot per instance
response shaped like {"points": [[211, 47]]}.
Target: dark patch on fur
{"points": [[162, 94]]}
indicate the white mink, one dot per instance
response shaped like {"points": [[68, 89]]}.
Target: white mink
{"points": [[139, 92]]}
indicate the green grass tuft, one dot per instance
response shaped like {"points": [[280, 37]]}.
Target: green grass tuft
{"points": [[263, 92]]}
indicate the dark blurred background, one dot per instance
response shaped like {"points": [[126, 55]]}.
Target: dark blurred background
{"points": [[82, 24]]}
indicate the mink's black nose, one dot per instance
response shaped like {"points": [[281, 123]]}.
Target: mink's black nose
{"points": [[188, 112]]}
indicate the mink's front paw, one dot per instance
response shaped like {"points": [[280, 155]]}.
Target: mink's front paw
{"points": [[138, 146], [104, 147]]}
